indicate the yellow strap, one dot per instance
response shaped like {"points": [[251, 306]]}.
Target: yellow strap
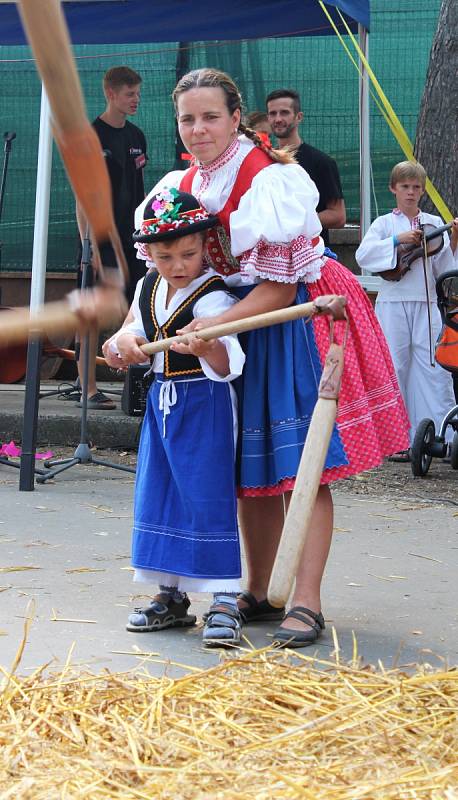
{"points": [[387, 111]]}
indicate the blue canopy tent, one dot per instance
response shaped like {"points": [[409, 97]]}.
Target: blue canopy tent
{"points": [[124, 21], [134, 21]]}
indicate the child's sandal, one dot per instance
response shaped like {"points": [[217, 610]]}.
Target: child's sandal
{"points": [[163, 612], [223, 626]]}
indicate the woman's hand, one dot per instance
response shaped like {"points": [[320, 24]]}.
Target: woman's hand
{"points": [[213, 351], [128, 346], [199, 323], [195, 346], [454, 235]]}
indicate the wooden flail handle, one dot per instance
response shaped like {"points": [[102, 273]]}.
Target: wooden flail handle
{"points": [[55, 318], [334, 305], [46, 30], [308, 479], [64, 352]]}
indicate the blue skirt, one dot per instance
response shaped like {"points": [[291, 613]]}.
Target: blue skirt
{"points": [[276, 396], [185, 514]]}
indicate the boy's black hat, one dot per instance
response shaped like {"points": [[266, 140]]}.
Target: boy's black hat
{"points": [[170, 214]]}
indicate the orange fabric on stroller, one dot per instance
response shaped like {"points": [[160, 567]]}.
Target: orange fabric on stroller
{"points": [[447, 348], [447, 344]]}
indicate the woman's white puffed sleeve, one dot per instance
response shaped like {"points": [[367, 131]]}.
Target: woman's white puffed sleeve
{"points": [[276, 230]]}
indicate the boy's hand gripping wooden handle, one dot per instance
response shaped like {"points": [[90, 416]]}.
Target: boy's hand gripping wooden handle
{"points": [[307, 480]]}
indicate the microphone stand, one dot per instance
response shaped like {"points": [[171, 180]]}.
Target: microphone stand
{"points": [[8, 137], [83, 453]]}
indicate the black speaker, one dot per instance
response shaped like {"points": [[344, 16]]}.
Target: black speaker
{"points": [[136, 385]]}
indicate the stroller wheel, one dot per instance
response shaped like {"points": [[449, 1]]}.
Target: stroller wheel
{"points": [[454, 451], [420, 453]]}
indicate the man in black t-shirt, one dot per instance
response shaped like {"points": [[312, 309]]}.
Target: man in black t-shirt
{"points": [[124, 147], [284, 114]]}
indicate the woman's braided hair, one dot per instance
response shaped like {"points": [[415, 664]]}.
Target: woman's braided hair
{"points": [[214, 78]]}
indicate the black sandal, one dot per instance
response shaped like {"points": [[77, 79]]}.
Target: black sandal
{"points": [[163, 612], [99, 400], [259, 611], [286, 637], [223, 626]]}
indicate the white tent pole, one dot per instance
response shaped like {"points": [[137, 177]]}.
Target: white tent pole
{"points": [[43, 191], [369, 282], [37, 295], [364, 137]]}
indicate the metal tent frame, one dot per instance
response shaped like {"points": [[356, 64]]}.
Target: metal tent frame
{"points": [[212, 19]]}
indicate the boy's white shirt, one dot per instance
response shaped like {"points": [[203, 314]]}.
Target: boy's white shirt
{"points": [[377, 253], [208, 306]]}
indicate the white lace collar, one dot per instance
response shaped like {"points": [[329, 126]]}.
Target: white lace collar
{"points": [[224, 158], [415, 222], [213, 182]]}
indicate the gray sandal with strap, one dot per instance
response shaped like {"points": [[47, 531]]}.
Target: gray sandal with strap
{"points": [[287, 637], [256, 610], [163, 612], [223, 626]]}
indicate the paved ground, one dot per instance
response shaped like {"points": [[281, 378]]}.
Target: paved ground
{"points": [[391, 579]]}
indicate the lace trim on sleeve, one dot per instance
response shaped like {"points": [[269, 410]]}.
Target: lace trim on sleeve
{"points": [[287, 263]]}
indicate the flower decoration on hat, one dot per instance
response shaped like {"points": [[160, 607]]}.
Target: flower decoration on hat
{"points": [[172, 213], [165, 207]]}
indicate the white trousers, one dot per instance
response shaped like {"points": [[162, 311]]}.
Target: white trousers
{"points": [[427, 390]]}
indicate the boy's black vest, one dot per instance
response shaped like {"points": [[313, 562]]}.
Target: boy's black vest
{"points": [[175, 364]]}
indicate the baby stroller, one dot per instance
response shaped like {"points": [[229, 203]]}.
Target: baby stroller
{"points": [[427, 444]]}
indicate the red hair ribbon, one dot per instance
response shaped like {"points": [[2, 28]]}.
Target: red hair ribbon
{"points": [[264, 137]]}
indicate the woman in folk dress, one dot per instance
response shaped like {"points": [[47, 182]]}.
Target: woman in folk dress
{"points": [[269, 250]]}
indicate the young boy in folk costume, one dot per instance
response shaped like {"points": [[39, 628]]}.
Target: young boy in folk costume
{"points": [[185, 534], [401, 305]]}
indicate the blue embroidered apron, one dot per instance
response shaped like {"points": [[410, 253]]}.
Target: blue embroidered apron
{"points": [[185, 513]]}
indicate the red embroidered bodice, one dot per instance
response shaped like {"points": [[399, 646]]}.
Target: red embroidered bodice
{"points": [[219, 253]]}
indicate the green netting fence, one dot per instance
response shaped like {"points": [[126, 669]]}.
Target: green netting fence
{"points": [[400, 43]]}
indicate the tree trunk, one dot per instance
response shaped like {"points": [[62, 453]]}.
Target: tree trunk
{"points": [[436, 144]]}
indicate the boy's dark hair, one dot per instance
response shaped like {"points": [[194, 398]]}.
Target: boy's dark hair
{"points": [[291, 93], [116, 77]]}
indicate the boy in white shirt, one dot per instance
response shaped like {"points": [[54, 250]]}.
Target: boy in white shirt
{"points": [[401, 305]]}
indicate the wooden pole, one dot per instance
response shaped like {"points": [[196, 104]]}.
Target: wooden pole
{"points": [[308, 479], [327, 304]]}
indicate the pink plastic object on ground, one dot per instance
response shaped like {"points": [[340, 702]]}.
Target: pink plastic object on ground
{"points": [[11, 450]]}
